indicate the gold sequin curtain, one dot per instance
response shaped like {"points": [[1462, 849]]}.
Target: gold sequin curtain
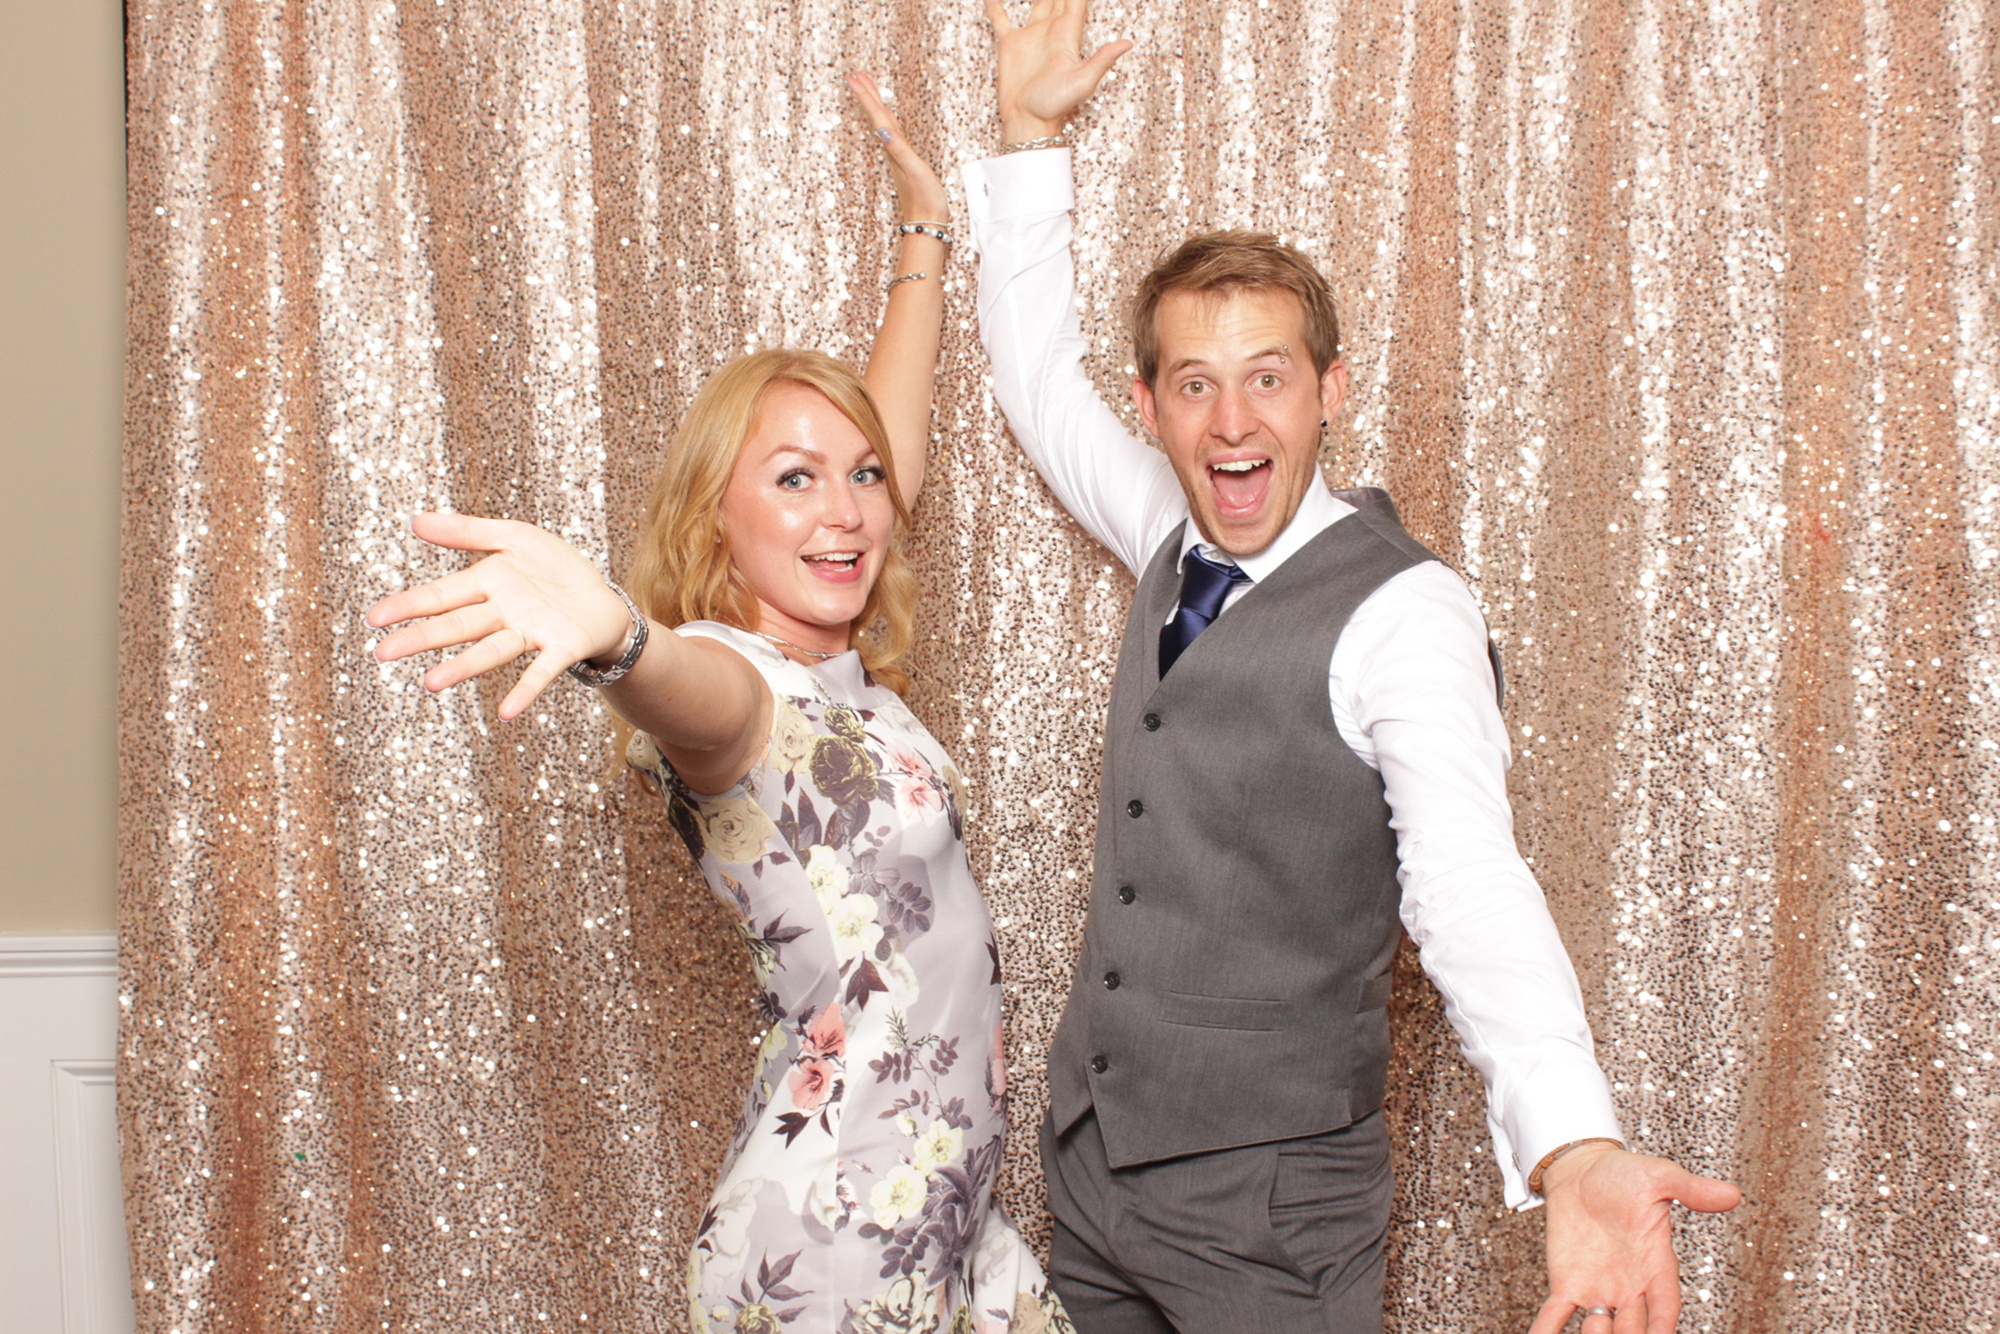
{"points": [[1672, 325]]}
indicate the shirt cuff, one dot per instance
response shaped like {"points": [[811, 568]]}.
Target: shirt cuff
{"points": [[1568, 1103], [1018, 185]]}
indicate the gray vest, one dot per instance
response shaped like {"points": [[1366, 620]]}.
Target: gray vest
{"points": [[1234, 978]]}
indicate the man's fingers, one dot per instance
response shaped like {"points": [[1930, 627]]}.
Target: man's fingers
{"points": [[1631, 1316], [1663, 1305], [546, 667], [1555, 1313], [1102, 59], [495, 650], [1707, 1195]]}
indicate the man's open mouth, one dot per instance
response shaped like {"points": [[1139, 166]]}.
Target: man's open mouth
{"points": [[1240, 485]]}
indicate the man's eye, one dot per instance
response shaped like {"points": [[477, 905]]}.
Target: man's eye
{"points": [[1267, 381], [1195, 387]]}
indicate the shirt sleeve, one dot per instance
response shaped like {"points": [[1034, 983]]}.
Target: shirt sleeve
{"points": [[1120, 489], [1411, 675]]}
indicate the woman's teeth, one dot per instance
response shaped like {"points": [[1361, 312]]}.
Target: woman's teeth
{"points": [[836, 557]]}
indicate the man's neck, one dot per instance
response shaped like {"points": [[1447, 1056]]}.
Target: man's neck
{"points": [[1319, 509]]}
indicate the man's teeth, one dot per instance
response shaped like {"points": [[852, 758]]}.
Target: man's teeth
{"points": [[1243, 465]]}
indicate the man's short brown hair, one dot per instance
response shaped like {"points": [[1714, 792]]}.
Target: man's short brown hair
{"points": [[1219, 263]]}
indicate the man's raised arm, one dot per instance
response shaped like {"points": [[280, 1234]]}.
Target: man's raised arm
{"points": [[1123, 492]]}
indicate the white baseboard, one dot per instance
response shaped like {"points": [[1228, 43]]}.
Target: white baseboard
{"points": [[62, 1232]]}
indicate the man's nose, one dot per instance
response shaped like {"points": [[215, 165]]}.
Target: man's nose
{"points": [[1233, 418]]}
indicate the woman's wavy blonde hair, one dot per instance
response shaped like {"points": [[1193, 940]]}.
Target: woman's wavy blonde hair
{"points": [[681, 570]]}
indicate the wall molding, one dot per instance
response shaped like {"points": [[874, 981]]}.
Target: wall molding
{"points": [[91, 955], [63, 1249]]}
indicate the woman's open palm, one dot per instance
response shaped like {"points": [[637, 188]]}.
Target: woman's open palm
{"points": [[534, 594]]}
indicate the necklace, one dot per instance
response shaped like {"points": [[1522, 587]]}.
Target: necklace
{"points": [[809, 652]]}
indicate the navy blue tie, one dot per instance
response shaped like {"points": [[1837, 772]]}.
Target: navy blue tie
{"points": [[1204, 586]]}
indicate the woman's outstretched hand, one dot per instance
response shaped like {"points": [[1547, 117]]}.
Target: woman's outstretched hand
{"points": [[1043, 74], [920, 195], [534, 594]]}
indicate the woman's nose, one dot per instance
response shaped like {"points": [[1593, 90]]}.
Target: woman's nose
{"points": [[843, 508]]}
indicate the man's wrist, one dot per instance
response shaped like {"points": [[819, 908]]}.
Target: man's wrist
{"points": [[1019, 127], [1568, 1162]]}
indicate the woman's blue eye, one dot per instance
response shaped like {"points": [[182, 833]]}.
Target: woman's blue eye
{"points": [[796, 479], [869, 476]]}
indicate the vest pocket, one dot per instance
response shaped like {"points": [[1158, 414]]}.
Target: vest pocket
{"points": [[1242, 1013], [1375, 992]]}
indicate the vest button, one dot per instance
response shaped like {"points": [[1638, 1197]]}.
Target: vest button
{"points": [[1099, 1065], [1126, 894], [1152, 722], [1111, 981], [1135, 808]]}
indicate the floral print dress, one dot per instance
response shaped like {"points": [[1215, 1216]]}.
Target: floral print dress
{"points": [[856, 1198]]}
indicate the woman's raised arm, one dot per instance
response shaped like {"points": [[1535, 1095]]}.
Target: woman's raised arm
{"points": [[902, 368], [535, 594]]}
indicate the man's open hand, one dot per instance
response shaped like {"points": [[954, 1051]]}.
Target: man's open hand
{"points": [[1043, 75], [1610, 1238]]}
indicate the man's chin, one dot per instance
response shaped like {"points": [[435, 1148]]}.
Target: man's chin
{"points": [[1239, 537]]}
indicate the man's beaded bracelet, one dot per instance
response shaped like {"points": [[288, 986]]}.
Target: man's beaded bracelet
{"points": [[935, 230], [1549, 1158], [1056, 140]]}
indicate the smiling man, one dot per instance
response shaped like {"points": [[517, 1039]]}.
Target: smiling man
{"points": [[1304, 756]]}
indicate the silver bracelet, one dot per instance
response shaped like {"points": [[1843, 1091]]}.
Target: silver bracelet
{"points": [[1056, 140], [634, 645], [906, 278], [935, 230]]}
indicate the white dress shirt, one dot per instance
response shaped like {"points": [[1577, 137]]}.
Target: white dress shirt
{"points": [[1409, 683]]}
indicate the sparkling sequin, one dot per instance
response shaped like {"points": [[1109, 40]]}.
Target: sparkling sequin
{"points": [[1674, 328]]}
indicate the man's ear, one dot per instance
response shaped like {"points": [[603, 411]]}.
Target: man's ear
{"points": [[1149, 407], [1332, 389]]}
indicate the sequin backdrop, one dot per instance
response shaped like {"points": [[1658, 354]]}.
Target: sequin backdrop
{"points": [[1673, 325]]}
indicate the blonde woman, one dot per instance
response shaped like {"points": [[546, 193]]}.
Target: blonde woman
{"points": [[757, 659]]}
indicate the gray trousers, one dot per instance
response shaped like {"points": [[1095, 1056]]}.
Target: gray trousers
{"points": [[1271, 1239]]}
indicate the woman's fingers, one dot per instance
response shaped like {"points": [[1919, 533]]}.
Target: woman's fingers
{"points": [[546, 667], [467, 532], [462, 588], [996, 14], [496, 650], [462, 625], [917, 186]]}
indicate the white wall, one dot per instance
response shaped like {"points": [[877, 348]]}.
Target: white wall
{"points": [[62, 1218]]}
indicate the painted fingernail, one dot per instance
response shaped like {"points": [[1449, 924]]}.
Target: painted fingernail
{"points": [[885, 135]]}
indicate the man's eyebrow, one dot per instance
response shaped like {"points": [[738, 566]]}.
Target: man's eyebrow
{"points": [[1281, 351]]}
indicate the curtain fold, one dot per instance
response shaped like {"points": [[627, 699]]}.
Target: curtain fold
{"points": [[1673, 326]]}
